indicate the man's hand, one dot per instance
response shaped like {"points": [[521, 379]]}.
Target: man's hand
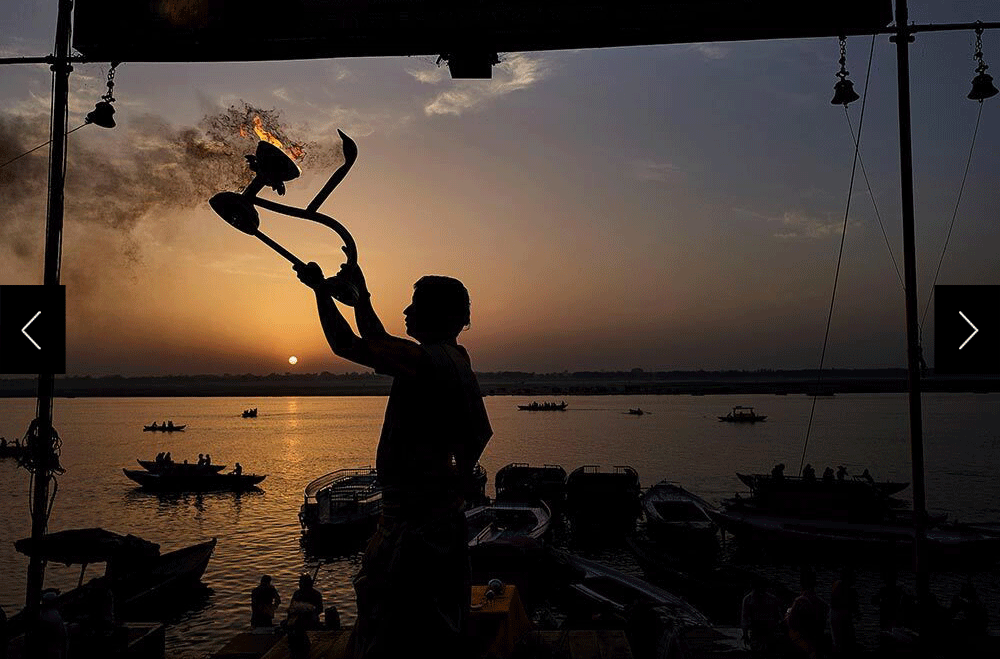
{"points": [[352, 274], [310, 274]]}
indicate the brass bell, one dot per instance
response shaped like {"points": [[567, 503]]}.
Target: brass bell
{"points": [[982, 87], [102, 115], [843, 92]]}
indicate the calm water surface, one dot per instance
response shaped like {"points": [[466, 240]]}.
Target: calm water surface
{"points": [[294, 440]]}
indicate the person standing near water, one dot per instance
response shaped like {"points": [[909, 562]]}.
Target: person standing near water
{"points": [[414, 589]]}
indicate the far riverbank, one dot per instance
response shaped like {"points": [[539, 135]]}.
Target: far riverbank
{"points": [[598, 383]]}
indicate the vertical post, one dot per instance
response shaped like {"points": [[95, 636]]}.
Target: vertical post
{"points": [[903, 38], [42, 445]]}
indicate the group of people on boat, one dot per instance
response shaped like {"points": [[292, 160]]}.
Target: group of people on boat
{"points": [[802, 628], [169, 425], [809, 474], [163, 459], [535, 405], [204, 460]]}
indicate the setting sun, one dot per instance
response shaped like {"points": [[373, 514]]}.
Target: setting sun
{"points": [[293, 360]]}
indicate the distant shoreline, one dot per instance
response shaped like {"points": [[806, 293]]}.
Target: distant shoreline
{"points": [[599, 383]]}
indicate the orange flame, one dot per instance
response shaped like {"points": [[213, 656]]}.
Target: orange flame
{"points": [[295, 151]]}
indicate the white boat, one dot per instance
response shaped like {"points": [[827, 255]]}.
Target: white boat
{"points": [[504, 521]]}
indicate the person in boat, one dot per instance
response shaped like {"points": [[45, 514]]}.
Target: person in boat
{"points": [[808, 473], [201, 459], [828, 475], [167, 459], [264, 601], [761, 616], [3, 442], [778, 472], [841, 473], [208, 459], [435, 430], [170, 424], [238, 470], [159, 458], [868, 477], [806, 618], [844, 608], [154, 426]]}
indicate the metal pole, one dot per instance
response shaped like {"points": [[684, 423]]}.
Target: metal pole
{"points": [[42, 448], [903, 38]]}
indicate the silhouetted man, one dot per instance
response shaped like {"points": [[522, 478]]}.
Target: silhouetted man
{"points": [[264, 600], [414, 585]]}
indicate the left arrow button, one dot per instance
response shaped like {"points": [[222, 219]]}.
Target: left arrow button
{"points": [[24, 330]]}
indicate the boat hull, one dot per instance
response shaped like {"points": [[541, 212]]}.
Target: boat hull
{"points": [[204, 482]]}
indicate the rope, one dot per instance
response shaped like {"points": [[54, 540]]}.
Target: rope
{"points": [[840, 254], [951, 226], [878, 216], [39, 146]]}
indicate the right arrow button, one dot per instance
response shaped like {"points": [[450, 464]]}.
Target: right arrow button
{"points": [[975, 330]]}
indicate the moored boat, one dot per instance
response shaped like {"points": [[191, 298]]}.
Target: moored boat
{"points": [[498, 521], [137, 575], [520, 482], [12, 450], [674, 514], [743, 414], [602, 504], [345, 501], [188, 480], [855, 498]]}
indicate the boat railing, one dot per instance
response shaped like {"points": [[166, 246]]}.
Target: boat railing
{"points": [[333, 477]]}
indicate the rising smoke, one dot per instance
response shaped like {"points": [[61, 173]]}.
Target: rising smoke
{"points": [[162, 169]]}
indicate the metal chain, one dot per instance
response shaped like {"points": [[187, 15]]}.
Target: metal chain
{"points": [[111, 83], [981, 68], [843, 73]]}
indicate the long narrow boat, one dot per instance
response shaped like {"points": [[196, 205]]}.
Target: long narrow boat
{"points": [[152, 428], [155, 467], [767, 482], [208, 481], [543, 407], [505, 521], [137, 575], [674, 514]]}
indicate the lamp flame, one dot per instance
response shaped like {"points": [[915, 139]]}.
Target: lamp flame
{"points": [[295, 151]]}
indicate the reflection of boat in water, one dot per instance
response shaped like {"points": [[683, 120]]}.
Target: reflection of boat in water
{"points": [[194, 480], [343, 501], [674, 514], [505, 521], [520, 482], [155, 467], [168, 427], [543, 407], [602, 504], [137, 575], [250, 414], [743, 414]]}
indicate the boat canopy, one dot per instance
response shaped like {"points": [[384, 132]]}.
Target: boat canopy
{"points": [[82, 546]]}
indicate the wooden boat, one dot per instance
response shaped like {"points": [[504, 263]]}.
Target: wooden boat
{"points": [[138, 576], [637, 411], [855, 498], [602, 504], [674, 514], [543, 407], [505, 521], [949, 545], [250, 414], [187, 480], [766, 482], [155, 428], [520, 482], [155, 467], [743, 414], [345, 501]]}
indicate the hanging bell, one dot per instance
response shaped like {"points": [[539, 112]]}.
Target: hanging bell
{"points": [[102, 115], [843, 92], [982, 87]]}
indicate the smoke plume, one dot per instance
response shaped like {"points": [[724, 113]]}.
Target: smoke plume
{"points": [[162, 169]]}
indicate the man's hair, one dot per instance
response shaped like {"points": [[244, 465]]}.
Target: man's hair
{"points": [[445, 298]]}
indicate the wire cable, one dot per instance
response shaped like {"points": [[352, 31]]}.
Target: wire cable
{"points": [[840, 254], [15, 158]]}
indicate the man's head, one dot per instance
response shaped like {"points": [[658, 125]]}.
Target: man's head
{"points": [[266, 579], [439, 311], [305, 581]]}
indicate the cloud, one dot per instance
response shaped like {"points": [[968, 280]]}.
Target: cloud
{"points": [[282, 94], [710, 50], [516, 72], [431, 77], [796, 225], [654, 172]]}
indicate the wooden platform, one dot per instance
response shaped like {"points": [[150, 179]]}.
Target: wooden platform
{"points": [[248, 645], [322, 645]]}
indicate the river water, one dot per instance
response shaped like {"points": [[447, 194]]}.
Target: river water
{"points": [[296, 439]]}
